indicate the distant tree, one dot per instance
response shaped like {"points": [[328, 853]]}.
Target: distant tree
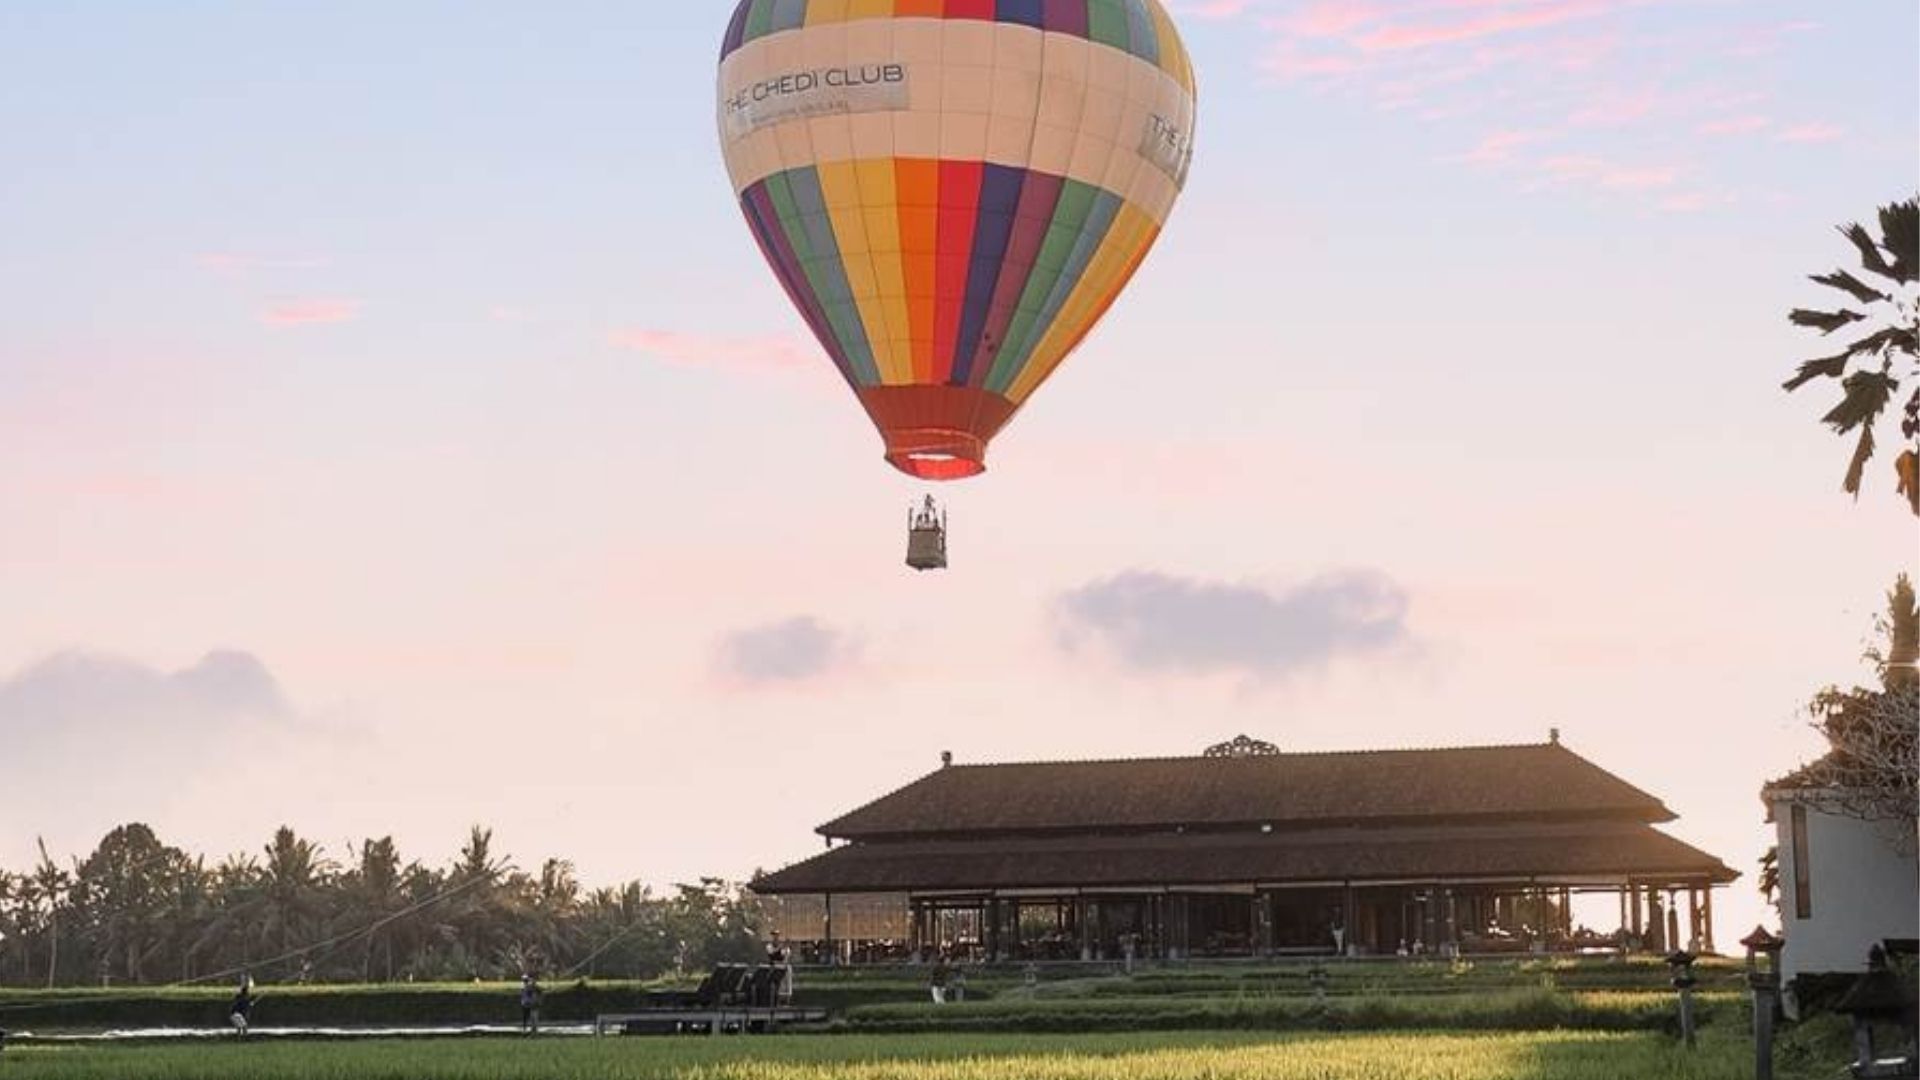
{"points": [[294, 882], [374, 896], [1872, 368], [138, 910], [49, 891], [1872, 768], [123, 892]]}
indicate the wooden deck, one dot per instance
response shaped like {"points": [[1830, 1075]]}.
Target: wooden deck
{"points": [[710, 1021]]}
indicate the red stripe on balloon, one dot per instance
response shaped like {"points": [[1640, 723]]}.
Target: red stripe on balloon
{"points": [[953, 255]]}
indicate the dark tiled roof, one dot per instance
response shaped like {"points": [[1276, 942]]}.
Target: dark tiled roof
{"points": [[1605, 849], [1544, 782]]}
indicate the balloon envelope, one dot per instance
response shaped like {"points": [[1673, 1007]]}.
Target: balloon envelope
{"points": [[953, 191]]}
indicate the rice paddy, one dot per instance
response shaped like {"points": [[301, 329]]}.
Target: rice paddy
{"points": [[1558, 1055]]}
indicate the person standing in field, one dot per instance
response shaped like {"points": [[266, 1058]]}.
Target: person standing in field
{"points": [[239, 1013], [939, 978], [779, 960], [529, 1005]]}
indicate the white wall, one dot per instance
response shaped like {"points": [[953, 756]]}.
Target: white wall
{"points": [[1863, 890]]}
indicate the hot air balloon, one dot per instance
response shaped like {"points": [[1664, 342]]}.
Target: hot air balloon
{"points": [[953, 192]]}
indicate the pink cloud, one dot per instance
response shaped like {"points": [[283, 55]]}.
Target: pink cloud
{"points": [[1616, 109], [1582, 170], [1687, 202], [769, 353], [1810, 133], [1504, 19], [1645, 178], [1735, 125], [1328, 18], [311, 312], [1496, 148], [1212, 9]]}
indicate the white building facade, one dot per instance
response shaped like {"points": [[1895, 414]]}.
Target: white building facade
{"points": [[1845, 884]]}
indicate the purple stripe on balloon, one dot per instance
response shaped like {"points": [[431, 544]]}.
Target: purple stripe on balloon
{"points": [[736, 29], [764, 219], [1039, 194], [1066, 16], [999, 199]]}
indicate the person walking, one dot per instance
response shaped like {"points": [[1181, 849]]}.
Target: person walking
{"points": [[529, 1006], [240, 1012]]}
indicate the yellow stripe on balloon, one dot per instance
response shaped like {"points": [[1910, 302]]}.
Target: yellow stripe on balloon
{"points": [[1126, 243], [1173, 55], [826, 11], [840, 187], [882, 226]]}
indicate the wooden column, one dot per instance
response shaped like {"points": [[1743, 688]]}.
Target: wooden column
{"points": [[833, 955], [1350, 916], [1706, 919]]}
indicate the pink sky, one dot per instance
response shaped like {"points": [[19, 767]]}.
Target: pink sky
{"points": [[472, 436]]}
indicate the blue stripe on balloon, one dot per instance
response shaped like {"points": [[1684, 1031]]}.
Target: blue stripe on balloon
{"points": [[999, 197]]}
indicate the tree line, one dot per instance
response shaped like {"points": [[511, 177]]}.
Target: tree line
{"points": [[142, 912]]}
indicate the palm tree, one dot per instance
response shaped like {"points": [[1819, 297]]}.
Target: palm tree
{"points": [[1885, 356], [295, 883], [373, 898]]}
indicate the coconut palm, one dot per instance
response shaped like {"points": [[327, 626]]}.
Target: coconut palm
{"points": [[1872, 368]]}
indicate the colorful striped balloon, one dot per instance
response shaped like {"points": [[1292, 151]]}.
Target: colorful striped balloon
{"points": [[953, 191]]}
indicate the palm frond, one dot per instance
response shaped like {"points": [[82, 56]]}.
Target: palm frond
{"points": [[1895, 338], [1862, 453], [1900, 235], [1859, 290], [1867, 395], [1824, 321], [1832, 367], [1870, 256]]}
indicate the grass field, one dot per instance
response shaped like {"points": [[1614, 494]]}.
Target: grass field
{"points": [[1190, 993], [1184, 1056]]}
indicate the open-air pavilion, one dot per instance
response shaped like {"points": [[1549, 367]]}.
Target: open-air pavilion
{"points": [[1247, 852]]}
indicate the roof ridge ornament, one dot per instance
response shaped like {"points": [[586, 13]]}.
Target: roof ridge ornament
{"points": [[1241, 746]]}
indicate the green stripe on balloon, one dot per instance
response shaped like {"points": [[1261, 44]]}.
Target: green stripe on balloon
{"points": [[1107, 24], [760, 19], [1106, 207], [1028, 326], [803, 217]]}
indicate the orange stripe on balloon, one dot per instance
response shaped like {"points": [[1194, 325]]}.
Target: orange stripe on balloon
{"points": [[917, 188]]}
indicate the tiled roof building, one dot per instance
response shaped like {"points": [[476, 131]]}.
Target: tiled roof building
{"points": [[1249, 851]]}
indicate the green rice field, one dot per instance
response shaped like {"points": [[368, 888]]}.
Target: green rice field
{"points": [[1561, 1055]]}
